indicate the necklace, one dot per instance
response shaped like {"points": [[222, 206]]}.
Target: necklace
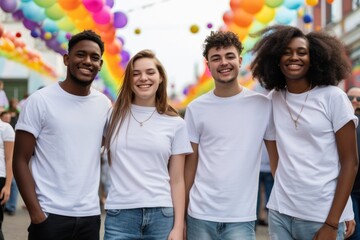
{"points": [[295, 120], [141, 123]]}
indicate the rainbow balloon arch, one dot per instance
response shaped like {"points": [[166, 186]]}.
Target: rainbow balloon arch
{"points": [[55, 21]]}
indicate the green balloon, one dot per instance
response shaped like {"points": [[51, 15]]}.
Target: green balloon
{"points": [[274, 3], [44, 3], [54, 12]]}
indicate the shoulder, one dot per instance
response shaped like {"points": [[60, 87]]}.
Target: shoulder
{"points": [[329, 91]]}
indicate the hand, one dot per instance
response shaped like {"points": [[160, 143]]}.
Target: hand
{"points": [[325, 233], [176, 234], [350, 228], [4, 195]]}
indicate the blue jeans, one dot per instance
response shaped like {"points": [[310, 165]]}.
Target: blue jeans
{"points": [[139, 223], [10, 205], [356, 207], [197, 229], [284, 227], [57, 227]]}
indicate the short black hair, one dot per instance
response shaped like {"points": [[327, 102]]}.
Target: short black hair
{"points": [[221, 39], [86, 35]]}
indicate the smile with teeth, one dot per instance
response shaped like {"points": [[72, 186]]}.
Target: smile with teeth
{"points": [[294, 66], [225, 70], [85, 70], [144, 86]]}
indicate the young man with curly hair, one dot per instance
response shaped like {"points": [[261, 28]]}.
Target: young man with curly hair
{"points": [[227, 127]]}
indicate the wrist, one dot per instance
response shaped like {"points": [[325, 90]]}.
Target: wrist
{"points": [[332, 226]]}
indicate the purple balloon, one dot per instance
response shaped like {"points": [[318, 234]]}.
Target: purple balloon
{"points": [[18, 15], [30, 24], [121, 40], [120, 20], [125, 56], [9, 6], [35, 33], [110, 3]]}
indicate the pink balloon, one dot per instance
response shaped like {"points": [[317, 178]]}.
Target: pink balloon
{"points": [[93, 5], [104, 16]]}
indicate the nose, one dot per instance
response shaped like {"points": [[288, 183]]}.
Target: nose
{"points": [[223, 61], [143, 77]]}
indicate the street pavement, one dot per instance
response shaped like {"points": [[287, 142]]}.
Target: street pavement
{"points": [[15, 227]]}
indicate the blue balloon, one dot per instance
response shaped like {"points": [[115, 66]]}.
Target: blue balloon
{"points": [[33, 11], [49, 26]]}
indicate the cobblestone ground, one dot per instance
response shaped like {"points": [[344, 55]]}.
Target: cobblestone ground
{"points": [[15, 227]]}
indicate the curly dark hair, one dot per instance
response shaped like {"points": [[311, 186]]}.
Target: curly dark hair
{"points": [[328, 61], [221, 39], [86, 35]]}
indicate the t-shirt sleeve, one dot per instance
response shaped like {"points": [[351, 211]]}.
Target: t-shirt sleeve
{"points": [[341, 111], [9, 133], [194, 135], [270, 133], [181, 143], [30, 118]]}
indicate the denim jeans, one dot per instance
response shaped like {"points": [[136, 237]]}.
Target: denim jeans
{"points": [[355, 197], [284, 227], [139, 223], [200, 229], [57, 227], [10, 205]]}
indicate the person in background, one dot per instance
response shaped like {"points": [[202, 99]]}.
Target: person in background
{"points": [[57, 148], [146, 143], [11, 204], [315, 133], [4, 101], [354, 96], [226, 134], [6, 174]]}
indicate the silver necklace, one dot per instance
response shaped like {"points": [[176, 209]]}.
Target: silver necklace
{"points": [[141, 123], [295, 120]]}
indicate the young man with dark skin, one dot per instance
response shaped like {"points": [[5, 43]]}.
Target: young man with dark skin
{"points": [[57, 148]]}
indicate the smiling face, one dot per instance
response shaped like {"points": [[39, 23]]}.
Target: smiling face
{"points": [[146, 81], [224, 64], [83, 62], [295, 60]]}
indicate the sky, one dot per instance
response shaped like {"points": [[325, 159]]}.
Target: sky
{"points": [[165, 29]]}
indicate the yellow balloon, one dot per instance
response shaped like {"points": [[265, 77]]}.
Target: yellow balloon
{"points": [[194, 28], [312, 3], [47, 35], [137, 31], [265, 15]]}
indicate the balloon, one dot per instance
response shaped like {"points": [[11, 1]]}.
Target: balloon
{"points": [[312, 3], [35, 33], [30, 24], [86, 23], [274, 3], [110, 3], [252, 6], [137, 31], [104, 16], [50, 26], [47, 35], [125, 56], [65, 24], [33, 11], [209, 25], [9, 6], [120, 20], [240, 31], [235, 4], [18, 34], [68, 36], [78, 13], [54, 12], [285, 16], [329, 1], [307, 18], [114, 47], [293, 4], [93, 5], [69, 4], [44, 3], [242, 18], [194, 28], [18, 15], [265, 15], [228, 17]]}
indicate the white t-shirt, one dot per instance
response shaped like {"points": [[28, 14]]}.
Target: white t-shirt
{"points": [[308, 167], [7, 134], [230, 132], [139, 159], [66, 162]]}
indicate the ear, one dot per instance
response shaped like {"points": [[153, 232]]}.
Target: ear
{"points": [[240, 60], [66, 59], [101, 63]]}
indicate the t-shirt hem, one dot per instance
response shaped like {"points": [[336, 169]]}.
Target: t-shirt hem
{"points": [[137, 205], [222, 219]]}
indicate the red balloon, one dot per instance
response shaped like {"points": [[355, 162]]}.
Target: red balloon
{"points": [[1, 30], [18, 34]]}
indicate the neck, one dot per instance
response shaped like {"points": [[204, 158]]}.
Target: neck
{"points": [[74, 89], [227, 90], [298, 86], [144, 102]]}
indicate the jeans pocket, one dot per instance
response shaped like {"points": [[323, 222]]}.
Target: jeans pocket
{"points": [[167, 211], [113, 212]]}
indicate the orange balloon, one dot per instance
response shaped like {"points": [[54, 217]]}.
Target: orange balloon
{"points": [[252, 6], [329, 1], [78, 13], [240, 31], [114, 47], [235, 4], [228, 17], [69, 4], [312, 3], [242, 18]]}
